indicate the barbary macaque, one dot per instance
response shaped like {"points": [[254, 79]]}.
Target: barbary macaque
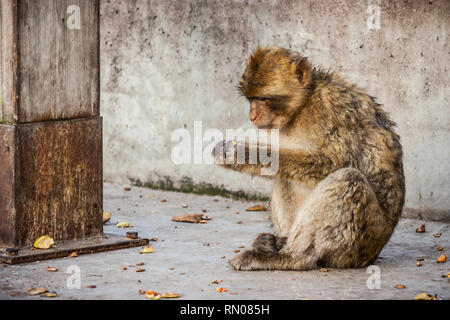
{"points": [[339, 190]]}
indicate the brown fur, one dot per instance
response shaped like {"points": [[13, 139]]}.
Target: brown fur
{"points": [[340, 188]]}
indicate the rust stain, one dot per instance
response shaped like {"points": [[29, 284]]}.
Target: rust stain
{"points": [[58, 180]]}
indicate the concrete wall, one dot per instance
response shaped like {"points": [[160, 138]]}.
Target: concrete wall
{"points": [[166, 64]]}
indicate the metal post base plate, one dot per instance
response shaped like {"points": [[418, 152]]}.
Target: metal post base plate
{"points": [[63, 249]]}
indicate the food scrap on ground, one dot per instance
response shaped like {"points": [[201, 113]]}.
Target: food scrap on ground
{"points": [[259, 207], [49, 269], [421, 229], [442, 259], [191, 218]]}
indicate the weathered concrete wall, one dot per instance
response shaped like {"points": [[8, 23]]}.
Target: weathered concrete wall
{"points": [[166, 64]]}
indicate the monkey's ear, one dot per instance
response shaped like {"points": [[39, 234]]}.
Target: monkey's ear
{"points": [[303, 71]]}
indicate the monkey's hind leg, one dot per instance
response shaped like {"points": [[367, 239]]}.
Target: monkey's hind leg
{"points": [[267, 242], [340, 225]]}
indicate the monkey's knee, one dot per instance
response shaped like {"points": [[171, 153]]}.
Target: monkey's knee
{"points": [[267, 242]]}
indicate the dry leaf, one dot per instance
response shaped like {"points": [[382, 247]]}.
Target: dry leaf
{"points": [[221, 290], [164, 200], [400, 286], [324, 270], [425, 296], [36, 291], [73, 255], [91, 287], [140, 264], [141, 291], [127, 189], [140, 270], [204, 210], [184, 206], [440, 248], [170, 295], [259, 207], [49, 269], [418, 264], [123, 224], [442, 259], [191, 218], [106, 217], [147, 249], [233, 293], [44, 242], [421, 229], [236, 251], [437, 235], [124, 268]]}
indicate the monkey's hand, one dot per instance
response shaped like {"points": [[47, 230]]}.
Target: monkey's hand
{"points": [[238, 156]]}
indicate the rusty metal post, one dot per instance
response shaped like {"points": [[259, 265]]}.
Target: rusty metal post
{"points": [[51, 130]]}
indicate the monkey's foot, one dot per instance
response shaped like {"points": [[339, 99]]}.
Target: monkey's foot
{"points": [[267, 242]]}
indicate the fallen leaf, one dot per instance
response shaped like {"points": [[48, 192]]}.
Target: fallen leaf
{"points": [[437, 235], [400, 286], [184, 206], [44, 242], [147, 249], [421, 229], [191, 218], [420, 259], [170, 295], [91, 287], [124, 268], [241, 247], [418, 264], [127, 189], [123, 224], [73, 255], [259, 207], [442, 259], [106, 236], [49, 295], [215, 282], [36, 291], [222, 257], [140, 270], [182, 273], [324, 270], [171, 268], [106, 217], [221, 290], [163, 200], [425, 296], [141, 291], [204, 210], [236, 212], [236, 251], [440, 248], [49, 269], [233, 293], [140, 264]]}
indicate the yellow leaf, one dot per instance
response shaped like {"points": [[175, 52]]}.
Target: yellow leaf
{"points": [[148, 249], [106, 217], [123, 224], [44, 242]]}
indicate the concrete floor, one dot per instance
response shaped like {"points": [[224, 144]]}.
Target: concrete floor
{"points": [[195, 252]]}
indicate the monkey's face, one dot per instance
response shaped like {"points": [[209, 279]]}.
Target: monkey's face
{"points": [[262, 116], [275, 83]]}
